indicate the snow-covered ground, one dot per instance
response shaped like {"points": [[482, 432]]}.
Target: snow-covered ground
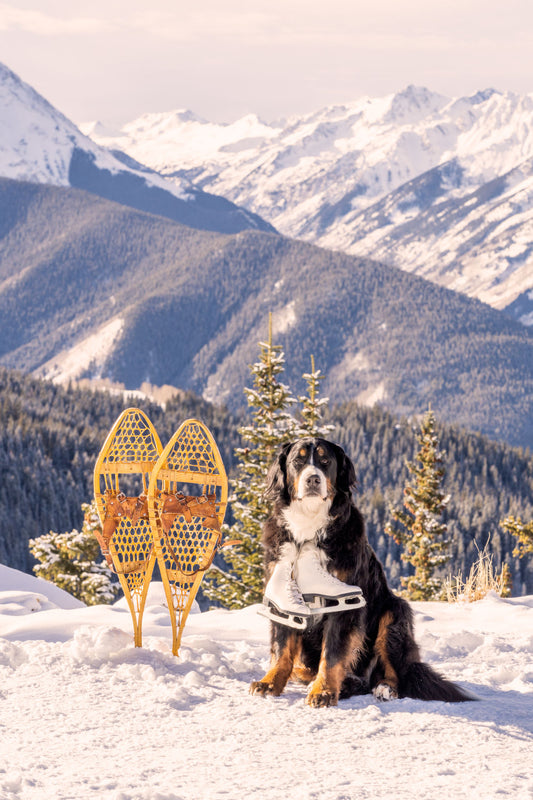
{"points": [[84, 714]]}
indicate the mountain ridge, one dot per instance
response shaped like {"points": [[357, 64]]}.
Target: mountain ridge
{"points": [[351, 157]]}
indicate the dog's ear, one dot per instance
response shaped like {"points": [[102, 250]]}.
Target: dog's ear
{"points": [[276, 480], [346, 479]]}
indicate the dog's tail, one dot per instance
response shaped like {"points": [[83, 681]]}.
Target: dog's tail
{"points": [[421, 682]]}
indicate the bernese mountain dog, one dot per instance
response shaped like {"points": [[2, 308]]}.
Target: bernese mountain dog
{"points": [[354, 651]]}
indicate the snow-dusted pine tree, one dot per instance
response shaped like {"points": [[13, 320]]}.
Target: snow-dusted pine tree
{"points": [[69, 561], [421, 531], [271, 426], [313, 406]]}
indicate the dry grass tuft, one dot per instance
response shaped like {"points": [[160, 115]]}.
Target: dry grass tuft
{"points": [[480, 581]]}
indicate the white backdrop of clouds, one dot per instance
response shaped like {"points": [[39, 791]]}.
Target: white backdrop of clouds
{"points": [[114, 59]]}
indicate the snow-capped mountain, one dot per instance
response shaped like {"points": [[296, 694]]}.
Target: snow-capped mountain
{"points": [[437, 186], [40, 145]]}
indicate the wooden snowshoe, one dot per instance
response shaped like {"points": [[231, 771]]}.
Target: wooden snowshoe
{"points": [[121, 480], [187, 498]]}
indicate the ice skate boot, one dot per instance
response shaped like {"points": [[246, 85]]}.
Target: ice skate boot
{"points": [[282, 601], [322, 591]]}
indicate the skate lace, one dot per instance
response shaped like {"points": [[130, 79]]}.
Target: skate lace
{"points": [[294, 592]]}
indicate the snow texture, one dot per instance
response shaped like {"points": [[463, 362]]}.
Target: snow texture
{"points": [[87, 715], [87, 356]]}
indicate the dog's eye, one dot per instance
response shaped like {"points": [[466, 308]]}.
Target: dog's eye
{"points": [[322, 456]]}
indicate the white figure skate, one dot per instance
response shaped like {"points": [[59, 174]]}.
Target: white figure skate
{"points": [[322, 591], [282, 601]]}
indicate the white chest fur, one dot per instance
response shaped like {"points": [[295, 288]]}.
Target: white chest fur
{"points": [[306, 517]]}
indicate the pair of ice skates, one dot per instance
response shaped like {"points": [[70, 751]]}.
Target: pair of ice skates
{"points": [[298, 590]]}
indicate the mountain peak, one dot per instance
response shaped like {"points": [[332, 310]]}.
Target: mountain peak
{"points": [[413, 103], [14, 89], [6, 73], [163, 121], [37, 140], [482, 96], [99, 129], [186, 115], [40, 145]]}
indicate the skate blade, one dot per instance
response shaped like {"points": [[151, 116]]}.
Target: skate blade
{"points": [[275, 614], [349, 603]]}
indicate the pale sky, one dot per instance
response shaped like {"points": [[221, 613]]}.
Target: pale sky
{"points": [[116, 59]]}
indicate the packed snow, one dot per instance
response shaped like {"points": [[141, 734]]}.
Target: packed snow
{"points": [[85, 714]]}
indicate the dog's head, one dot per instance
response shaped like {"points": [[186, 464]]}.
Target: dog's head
{"points": [[310, 468]]}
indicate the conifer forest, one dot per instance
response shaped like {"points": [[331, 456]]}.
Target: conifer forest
{"points": [[50, 437]]}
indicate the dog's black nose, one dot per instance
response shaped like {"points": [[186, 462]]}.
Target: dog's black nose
{"points": [[312, 481]]}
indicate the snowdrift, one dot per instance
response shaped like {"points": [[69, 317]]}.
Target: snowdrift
{"points": [[85, 714]]}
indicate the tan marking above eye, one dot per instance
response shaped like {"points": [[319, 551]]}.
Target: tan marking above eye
{"points": [[321, 452], [303, 451]]}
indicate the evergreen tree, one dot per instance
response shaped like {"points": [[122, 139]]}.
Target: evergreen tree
{"points": [[506, 581], [313, 406], [69, 561], [421, 532], [523, 531], [270, 427]]}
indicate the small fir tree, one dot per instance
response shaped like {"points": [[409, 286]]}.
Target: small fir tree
{"points": [[421, 531], [313, 406], [69, 561], [506, 581], [523, 531], [271, 426]]}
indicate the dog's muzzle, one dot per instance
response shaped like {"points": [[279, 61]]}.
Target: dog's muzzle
{"points": [[312, 483]]}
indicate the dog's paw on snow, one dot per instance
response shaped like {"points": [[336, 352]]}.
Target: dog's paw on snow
{"points": [[384, 691]]}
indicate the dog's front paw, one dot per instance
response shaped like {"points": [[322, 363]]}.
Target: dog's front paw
{"points": [[261, 688], [321, 699], [384, 691]]}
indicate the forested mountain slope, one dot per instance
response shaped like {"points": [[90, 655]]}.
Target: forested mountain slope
{"points": [[486, 481], [89, 288]]}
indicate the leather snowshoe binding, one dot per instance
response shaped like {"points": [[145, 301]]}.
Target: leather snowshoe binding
{"points": [[118, 507], [178, 504], [188, 507]]}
